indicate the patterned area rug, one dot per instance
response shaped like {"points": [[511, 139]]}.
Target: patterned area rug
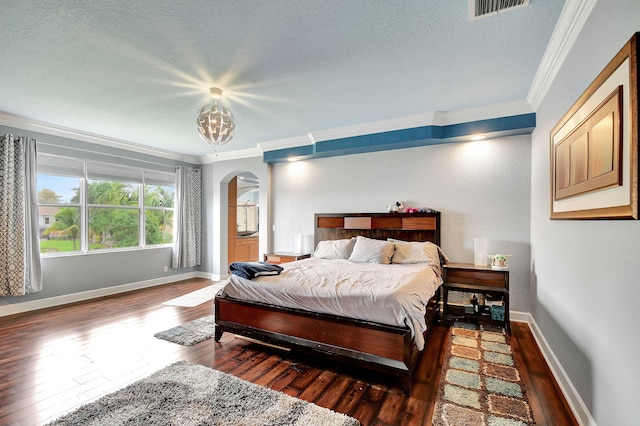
{"points": [[190, 333], [479, 383], [187, 394]]}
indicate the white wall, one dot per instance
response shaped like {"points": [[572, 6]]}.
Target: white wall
{"points": [[586, 274], [481, 188]]}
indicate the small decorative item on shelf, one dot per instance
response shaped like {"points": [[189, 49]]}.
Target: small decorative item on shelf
{"points": [[396, 207], [474, 303], [499, 261], [497, 312], [418, 210]]}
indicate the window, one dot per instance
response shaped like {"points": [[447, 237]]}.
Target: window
{"points": [[59, 204], [107, 207], [159, 195], [113, 201]]}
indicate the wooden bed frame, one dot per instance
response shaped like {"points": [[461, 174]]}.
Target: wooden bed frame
{"points": [[384, 348]]}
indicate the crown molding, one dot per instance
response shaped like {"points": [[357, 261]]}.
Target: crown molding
{"points": [[65, 132], [308, 139], [436, 118], [231, 155], [572, 18], [487, 112], [306, 142], [409, 137], [407, 122]]}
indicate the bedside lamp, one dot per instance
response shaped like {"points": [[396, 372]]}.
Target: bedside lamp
{"points": [[480, 252]]}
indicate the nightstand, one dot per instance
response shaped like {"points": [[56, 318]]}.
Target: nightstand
{"points": [[471, 278], [282, 257]]}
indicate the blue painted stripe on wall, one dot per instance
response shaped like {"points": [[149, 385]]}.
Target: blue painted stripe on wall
{"points": [[405, 138], [279, 155], [514, 122]]}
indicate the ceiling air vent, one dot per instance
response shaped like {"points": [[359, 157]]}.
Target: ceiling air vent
{"points": [[482, 8]]}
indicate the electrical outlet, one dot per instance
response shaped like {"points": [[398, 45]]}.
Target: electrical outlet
{"points": [[166, 268]]}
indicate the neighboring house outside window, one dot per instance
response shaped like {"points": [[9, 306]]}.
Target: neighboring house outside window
{"points": [[47, 216]]}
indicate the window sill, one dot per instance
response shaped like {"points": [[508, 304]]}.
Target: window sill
{"points": [[105, 251]]}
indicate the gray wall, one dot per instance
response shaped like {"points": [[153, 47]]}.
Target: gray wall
{"points": [[585, 274], [481, 188], [69, 274], [77, 273]]}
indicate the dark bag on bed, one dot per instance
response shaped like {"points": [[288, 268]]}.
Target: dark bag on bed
{"points": [[250, 270]]}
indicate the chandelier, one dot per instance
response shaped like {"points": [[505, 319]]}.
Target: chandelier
{"points": [[215, 122]]}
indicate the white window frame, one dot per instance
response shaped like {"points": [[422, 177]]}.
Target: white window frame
{"points": [[97, 170]]}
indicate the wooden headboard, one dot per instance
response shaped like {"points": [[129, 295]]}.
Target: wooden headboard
{"points": [[402, 226]]}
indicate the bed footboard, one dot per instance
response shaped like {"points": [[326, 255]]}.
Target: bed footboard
{"points": [[380, 347]]}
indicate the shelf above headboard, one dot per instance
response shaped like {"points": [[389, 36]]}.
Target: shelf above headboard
{"points": [[402, 226]]}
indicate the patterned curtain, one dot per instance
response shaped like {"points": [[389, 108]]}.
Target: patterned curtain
{"points": [[20, 270], [187, 240]]}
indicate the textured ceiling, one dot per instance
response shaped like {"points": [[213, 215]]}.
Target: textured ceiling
{"points": [[138, 71]]}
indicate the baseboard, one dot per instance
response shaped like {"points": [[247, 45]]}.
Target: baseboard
{"points": [[217, 277], [518, 316], [32, 305], [579, 409]]}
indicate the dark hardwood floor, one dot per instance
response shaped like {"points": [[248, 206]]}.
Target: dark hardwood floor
{"points": [[54, 360]]}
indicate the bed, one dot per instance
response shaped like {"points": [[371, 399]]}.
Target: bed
{"points": [[327, 320]]}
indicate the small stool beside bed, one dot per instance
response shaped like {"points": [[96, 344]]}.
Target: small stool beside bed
{"points": [[370, 293]]}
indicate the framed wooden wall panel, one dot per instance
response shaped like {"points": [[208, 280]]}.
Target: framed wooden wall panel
{"points": [[589, 159], [594, 147]]}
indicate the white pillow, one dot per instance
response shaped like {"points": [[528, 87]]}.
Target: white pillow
{"points": [[408, 252], [368, 250], [334, 249], [418, 252]]}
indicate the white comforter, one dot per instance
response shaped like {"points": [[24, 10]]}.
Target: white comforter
{"points": [[388, 294]]}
